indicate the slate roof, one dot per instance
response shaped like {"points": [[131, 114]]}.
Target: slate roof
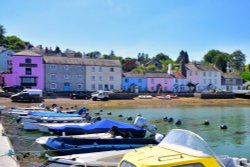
{"points": [[231, 76], [201, 67], [133, 75], [81, 61], [157, 75], [26, 53]]}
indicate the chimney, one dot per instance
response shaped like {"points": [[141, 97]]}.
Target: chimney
{"points": [[170, 72]]}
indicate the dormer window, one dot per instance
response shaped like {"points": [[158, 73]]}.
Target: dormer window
{"points": [[28, 61]]}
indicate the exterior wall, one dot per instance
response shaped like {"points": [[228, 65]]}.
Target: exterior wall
{"points": [[129, 84], [103, 78], [204, 78], [19, 70], [60, 77], [5, 60], [153, 84], [178, 85], [232, 84]]}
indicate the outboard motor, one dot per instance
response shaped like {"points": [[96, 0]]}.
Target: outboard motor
{"points": [[81, 111], [140, 121]]}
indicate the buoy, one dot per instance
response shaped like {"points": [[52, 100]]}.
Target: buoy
{"points": [[170, 119], [120, 115], [101, 110], [98, 118], [178, 122], [165, 119], [224, 126], [109, 113], [206, 122], [97, 113], [130, 119]]}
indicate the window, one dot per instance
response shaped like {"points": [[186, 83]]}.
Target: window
{"points": [[176, 80], [215, 81], [93, 69], [66, 76], [204, 74], [166, 80], [152, 88], [112, 87], [53, 86], [28, 81], [79, 76], [93, 78], [100, 87], [79, 86], [111, 78], [100, 78], [66, 67], [196, 73], [111, 69], [28, 61], [139, 80], [215, 74], [152, 81], [93, 86], [190, 73], [28, 71], [52, 67], [204, 81], [210, 81], [126, 80], [52, 76], [210, 74], [100, 69]]}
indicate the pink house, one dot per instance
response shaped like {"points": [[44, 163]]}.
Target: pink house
{"points": [[158, 82], [27, 70]]}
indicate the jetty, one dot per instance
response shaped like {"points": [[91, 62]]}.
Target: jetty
{"points": [[7, 157]]}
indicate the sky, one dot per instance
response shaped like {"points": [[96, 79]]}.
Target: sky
{"points": [[132, 26]]}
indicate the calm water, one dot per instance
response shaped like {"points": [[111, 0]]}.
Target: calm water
{"points": [[234, 141]]}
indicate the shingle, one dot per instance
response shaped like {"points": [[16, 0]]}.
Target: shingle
{"points": [[81, 61], [201, 67], [26, 53]]}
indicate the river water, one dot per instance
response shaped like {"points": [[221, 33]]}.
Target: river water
{"points": [[235, 141]]}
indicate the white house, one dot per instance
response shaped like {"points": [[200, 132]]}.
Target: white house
{"points": [[205, 77]]}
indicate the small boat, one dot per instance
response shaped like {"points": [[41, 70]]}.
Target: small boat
{"points": [[67, 146], [145, 97], [44, 127], [164, 97], [2, 107], [180, 148], [96, 159], [43, 140], [100, 127]]}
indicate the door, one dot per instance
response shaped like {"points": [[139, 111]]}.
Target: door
{"points": [[66, 87]]}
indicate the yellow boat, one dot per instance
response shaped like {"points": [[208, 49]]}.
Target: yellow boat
{"points": [[180, 148]]}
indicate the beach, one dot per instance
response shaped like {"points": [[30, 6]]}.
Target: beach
{"points": [[135, 103]]}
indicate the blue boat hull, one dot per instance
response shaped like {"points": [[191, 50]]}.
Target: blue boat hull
{"points": [[67, 146]]}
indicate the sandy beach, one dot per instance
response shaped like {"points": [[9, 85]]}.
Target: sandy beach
{"points": [[142, 103]]}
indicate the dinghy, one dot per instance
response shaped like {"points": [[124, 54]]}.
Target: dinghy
{"points": [[100, 127], [66, 145]]}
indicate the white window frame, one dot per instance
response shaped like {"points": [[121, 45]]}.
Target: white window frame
{"points": [[111, 87], [53, 76], [66, 76], [93, 87], [111, 78], [52, 67], [100, 78], [92, 69], [112, 69], [100, 87], [53, 86], [100, 69], [79, 86], [92, 78]]}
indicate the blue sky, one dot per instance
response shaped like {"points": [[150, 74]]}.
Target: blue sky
{"points": [[132, 26]]}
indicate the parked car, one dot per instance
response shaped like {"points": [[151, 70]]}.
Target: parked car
{"points": [[80, 95], [15, 88], [101, 95], [25, 96]]}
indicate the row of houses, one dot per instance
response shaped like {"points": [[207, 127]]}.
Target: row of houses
{"points": [[53, 73]]}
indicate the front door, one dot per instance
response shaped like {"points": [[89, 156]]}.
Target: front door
{"points": [[66, 87]]}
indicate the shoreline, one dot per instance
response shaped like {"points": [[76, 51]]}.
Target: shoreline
{"points": [[135, 103]]}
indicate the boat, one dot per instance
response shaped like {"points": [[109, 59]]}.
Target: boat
{"points": [[164, 97], [100, 127], [2, 108], [67, 145], [145, 97], [43, 140], [44, 127], [180, 148], [96, 159]]}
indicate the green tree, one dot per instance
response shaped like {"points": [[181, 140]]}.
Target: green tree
{"points": [[162, 56], [211, 56], [15, 43], [2, 32], [93, 55], [78, 54], [221, 61], [139, 69], [151, 68], [238, 60], [183, 55], [57, 50]]}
